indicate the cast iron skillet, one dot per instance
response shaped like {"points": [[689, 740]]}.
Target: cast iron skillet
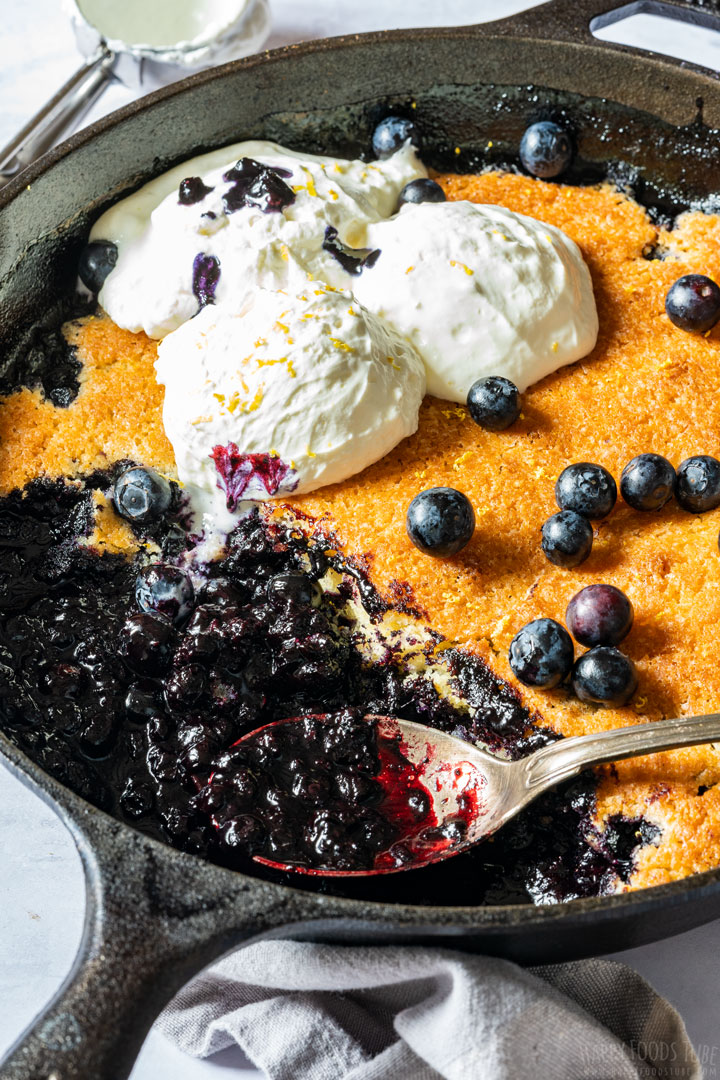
{"points": [[155, 916]]}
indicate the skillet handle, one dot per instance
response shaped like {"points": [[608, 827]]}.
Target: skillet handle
{"points": [[154, 918], [575, 20]]}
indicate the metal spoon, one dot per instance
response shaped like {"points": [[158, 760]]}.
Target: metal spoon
{"points": [[474, 793], [133, 64]]}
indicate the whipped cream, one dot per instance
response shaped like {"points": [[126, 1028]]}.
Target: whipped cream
{"points": [[154, 284], [292, 392], [319, 304], [480, 290]]}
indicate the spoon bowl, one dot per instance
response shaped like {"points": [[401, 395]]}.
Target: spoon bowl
{"points": [[467, 793]]}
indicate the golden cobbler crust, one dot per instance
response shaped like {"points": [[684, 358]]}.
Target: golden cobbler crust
{"points": [[646, 387]]}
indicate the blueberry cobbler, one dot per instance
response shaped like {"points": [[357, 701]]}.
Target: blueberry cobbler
{"points": [[335, 439]]}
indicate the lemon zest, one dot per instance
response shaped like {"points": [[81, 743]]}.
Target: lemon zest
{"points": [[454, 262], [339, 344]]}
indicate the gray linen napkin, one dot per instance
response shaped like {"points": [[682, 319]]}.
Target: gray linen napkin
{"points": [[301, 1011]]}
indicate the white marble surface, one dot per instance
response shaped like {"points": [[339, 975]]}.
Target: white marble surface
{"points": [[41, 887]]}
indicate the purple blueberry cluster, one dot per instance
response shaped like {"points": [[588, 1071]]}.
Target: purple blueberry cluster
{"points": [[585, 492], [600, 616]]}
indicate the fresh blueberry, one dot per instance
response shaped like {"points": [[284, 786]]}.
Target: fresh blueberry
{"points": [[421, 190], [693, 303], [146, 644], [567, 539], [599, 615], [205, 278], [545, 149], [142, 495], [541, 654], [204, 633], [390, 134], [166, 590], [587, 489], [604, 675], [647, 482], [440, 521], [494, 403], [97, 259], [697, 485]]}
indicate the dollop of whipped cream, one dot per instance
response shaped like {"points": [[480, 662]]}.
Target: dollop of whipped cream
{"points": [[210, 230], [282, 383], [292, 392], [480, 290]]}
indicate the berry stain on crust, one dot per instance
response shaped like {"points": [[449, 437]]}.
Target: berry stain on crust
{"points": [[240, 474], [192, 190]]}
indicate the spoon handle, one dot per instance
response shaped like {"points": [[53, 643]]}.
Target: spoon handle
{"points": [[63, 110], [567, 757]]}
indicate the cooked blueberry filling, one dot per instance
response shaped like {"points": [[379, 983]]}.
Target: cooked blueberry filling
{"points": [[43, 359], [165, 590], [206, 275], [325, 793], [352, 260], [261, 186], [138, 713], [192, 190]]}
